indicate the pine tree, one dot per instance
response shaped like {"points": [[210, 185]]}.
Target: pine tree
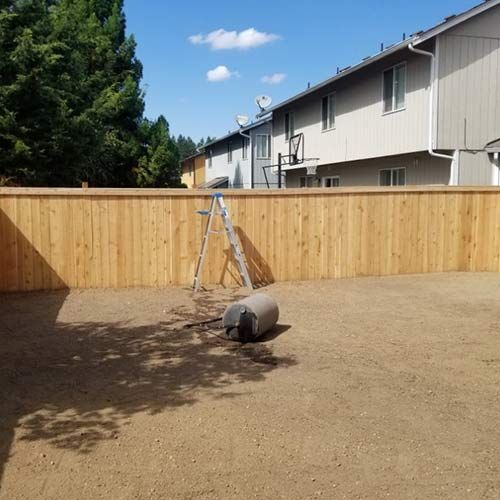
{"points": [[186, 146], [160, 165], [71, 106]]}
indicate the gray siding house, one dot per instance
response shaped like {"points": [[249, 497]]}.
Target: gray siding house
{"points": [[422, 111], [235, 161]]}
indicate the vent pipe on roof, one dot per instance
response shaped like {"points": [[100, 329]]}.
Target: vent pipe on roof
{"points": [[454, 159]]}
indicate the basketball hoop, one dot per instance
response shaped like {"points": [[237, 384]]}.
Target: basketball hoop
{"points": [[311, 165]]}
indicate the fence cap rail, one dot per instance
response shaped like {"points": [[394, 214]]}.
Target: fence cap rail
{"points": [[139, 192]]}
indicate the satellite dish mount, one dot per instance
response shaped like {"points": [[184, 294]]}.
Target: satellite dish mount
{"points": [[263, 102], [242, 120]]}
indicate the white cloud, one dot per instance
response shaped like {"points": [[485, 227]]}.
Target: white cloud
{"points": [[225, 40], [273, 79], [221, 73]]}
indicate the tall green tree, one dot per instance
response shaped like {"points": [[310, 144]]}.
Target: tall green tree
{"points": [[203, 141], [71, 106], [160, 164], [186, 146]]}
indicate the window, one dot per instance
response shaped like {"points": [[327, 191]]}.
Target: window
{"points": [[328, 112], [244, 148], [394, 88], [330, 182], [229, 152], [209, 154], [289, 125], [306, 182], [263, 145], [392, 177]]}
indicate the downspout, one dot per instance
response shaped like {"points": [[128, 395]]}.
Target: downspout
{"points": [[250, 151], [495, 170], [430, 147]]}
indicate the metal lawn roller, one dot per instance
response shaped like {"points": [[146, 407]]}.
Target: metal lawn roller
{"points": [[248, 319]]}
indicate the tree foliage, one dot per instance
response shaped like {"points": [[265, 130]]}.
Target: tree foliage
{"points": [[71, 105], [160, 164], [187, 147]]}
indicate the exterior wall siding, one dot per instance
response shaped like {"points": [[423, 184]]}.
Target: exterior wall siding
{"points": [[259, 179], [468, 106], [188, 174], [199, 170], [239, 170], [474, 168], [193, 171], [421, 169], [361, 129]]}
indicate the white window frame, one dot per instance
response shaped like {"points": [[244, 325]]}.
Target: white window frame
{"points": [[392, 170], [329, 126], [393, 108], [230, 152], [323, 181], [245, 143], [306, 178], [268, 145], [290, 131]]}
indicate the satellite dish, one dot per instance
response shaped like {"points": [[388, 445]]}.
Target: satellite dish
{"points": [[263, 101], [242, 120]]}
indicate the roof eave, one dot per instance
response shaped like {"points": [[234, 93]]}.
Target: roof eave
{"points": [[416, 39], [261, 121], [343, 74]]}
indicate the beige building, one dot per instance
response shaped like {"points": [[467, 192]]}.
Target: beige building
{"points": [[419, 112], [193, 170]]}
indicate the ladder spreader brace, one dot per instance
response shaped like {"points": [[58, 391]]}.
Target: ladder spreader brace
{"points": [[218, 207]]}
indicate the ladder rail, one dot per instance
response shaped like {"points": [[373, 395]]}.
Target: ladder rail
{"points": [[217, 200], [204, 246], [237, 252]]}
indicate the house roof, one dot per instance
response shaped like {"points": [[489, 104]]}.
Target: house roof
{"points": [[415, 39], [198, 153], [214, 183], [242, 129]]}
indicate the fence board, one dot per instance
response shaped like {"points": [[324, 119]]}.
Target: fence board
{"points": [[54, 238]]}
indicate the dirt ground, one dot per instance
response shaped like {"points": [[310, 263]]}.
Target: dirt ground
{"points": [[369, 388]]}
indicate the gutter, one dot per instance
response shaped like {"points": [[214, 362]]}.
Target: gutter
{"points": [[250, 151], [430, 145]]}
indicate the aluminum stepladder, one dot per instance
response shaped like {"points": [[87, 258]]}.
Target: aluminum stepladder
{"points": [[218, 207]]}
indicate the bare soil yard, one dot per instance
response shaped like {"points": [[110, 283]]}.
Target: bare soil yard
{"points": [[369, 388]]}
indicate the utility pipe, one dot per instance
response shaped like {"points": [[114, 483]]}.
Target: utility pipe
{"points": [[250, 151], [495, 170], [431, 102], [430, 147]]}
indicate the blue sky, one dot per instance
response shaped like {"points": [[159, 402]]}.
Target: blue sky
{"points": [[305, 41]]}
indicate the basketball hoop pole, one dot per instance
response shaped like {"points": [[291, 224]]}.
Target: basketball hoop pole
{"points": [[279, 170]]}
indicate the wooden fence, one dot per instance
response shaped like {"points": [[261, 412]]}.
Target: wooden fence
{"points": [[56, 238]]}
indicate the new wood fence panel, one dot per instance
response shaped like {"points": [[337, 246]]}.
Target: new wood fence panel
{"points": [[55, 238]]}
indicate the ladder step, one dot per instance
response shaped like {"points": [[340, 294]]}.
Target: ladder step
{"points": [[217, 200]]}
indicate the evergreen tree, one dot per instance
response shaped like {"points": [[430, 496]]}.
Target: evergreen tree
{"points": [[160, 165], [186, 146], [202, 141], [71, 106]]}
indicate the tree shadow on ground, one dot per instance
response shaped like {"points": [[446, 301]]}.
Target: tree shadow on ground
{"points": [[75, 384]]}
